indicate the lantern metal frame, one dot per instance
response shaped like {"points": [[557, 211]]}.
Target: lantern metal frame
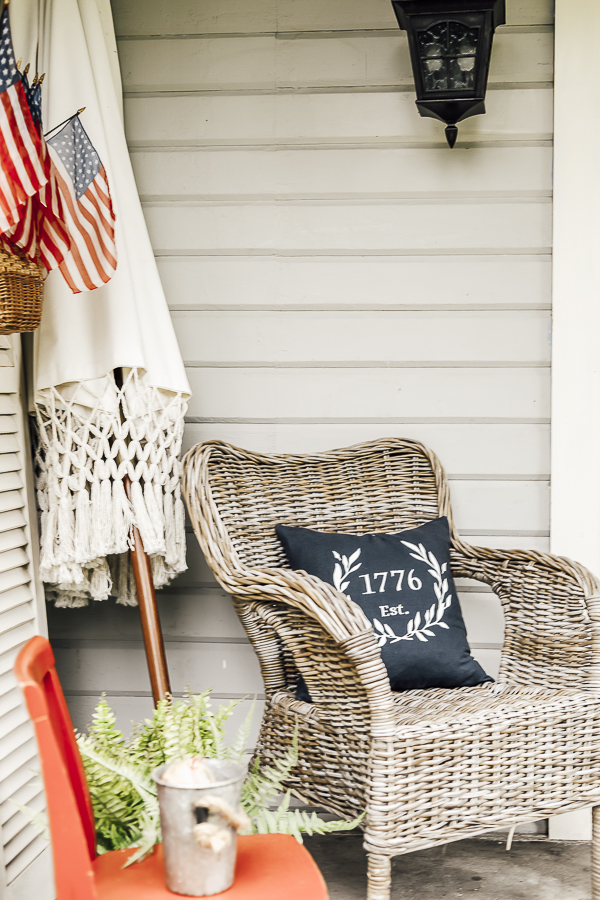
{"points": [[451, 104]]}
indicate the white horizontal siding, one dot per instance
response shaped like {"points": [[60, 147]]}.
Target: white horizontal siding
{"points": [[376, 119], [484, 619], [353, 338], [335, 274], [144, 17], [321, 227], [273, 62], [123, 666], [387, 395], [501, 505], [372, 283], [293, 174], [513, 541]]}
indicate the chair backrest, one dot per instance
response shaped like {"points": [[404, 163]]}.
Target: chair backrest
{"points": [[69, 806], [382, 486]]}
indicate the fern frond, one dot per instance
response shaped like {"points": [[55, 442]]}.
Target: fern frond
{"points": [[176, 734], [298, 822], [264, 784], [140, 781], [217, 749], [225, 712], [238, 748], [104, 730], [124, 796], [149, 836]]}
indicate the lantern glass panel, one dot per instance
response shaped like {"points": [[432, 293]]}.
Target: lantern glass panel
{"points": [[434, 41], [448, 51]]}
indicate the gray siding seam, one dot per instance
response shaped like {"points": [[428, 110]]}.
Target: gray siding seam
{"points": [[182, 90], [358, 252], [359, 307], [325, 34], [366, 420], [368, 364]]}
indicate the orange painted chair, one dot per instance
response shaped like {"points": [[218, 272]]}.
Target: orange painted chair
{"points": [[269, 866]]}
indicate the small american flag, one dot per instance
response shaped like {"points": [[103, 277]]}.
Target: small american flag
{"points": [[41, 232], [23, 170], [88, 211]]}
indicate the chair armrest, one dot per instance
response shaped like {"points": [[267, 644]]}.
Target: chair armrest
{"points": [[552, 614], [501, 566], [340, 616], [348, 632]]}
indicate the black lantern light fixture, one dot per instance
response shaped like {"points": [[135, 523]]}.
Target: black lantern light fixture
{"points": [[450, 44]]}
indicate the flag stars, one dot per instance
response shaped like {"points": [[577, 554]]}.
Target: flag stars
{"points": [[77, 155], [9, 73]]}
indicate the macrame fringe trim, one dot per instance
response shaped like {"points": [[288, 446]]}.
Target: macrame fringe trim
{"points": [[86, 517]]}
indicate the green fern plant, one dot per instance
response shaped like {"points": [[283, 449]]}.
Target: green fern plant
{"points": [[124, 796]]}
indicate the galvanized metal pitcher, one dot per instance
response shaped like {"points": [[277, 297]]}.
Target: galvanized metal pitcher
{"points": [[199, 829]]}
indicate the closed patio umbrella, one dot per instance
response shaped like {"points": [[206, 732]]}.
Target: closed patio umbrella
{"points": [[97, 431]]}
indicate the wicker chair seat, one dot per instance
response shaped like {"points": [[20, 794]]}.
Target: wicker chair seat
{"points": [[436, 710], [469, 760], [428, 766], [442, 708]]}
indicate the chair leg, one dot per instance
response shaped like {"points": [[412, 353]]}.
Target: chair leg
{"points": [[380, 877], [596, 853]]}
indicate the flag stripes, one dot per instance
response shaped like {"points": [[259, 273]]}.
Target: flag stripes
{"points": [[54, 240], [90, 224], [40, 230], [54, 198], [23, 170]]}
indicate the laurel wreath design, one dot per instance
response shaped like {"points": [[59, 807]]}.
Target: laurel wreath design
{"points": [[343, 568], [417, 627]]}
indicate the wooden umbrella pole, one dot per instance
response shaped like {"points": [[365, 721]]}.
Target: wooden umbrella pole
{"points": [[144, 583], [153, 639]]}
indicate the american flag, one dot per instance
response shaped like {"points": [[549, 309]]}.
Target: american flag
{"points": [[23, 169], [41, 231], [88, 211]]}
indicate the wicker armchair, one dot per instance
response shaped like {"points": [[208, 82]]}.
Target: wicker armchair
{"points": [[428, 766]]}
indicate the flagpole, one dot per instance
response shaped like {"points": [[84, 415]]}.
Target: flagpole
{"points": [[149, 615], [60, 124]]}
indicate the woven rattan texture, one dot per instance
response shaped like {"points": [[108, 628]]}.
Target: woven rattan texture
{"points": [[494, 756], [331, 492], [428, 766], [21, 293]]}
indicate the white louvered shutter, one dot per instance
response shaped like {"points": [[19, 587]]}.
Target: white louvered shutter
{"points": [[25, 863]]}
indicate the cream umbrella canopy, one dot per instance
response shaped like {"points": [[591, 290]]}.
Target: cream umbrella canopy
{"points": [[92, 433]]}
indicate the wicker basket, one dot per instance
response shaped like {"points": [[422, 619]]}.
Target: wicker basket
{"points": [[21, 292]]}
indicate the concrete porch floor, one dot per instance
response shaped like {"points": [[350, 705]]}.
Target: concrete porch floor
{"points": [[531, 870]]}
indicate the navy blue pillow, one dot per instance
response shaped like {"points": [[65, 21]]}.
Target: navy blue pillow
{"points": [[404, 585]]}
